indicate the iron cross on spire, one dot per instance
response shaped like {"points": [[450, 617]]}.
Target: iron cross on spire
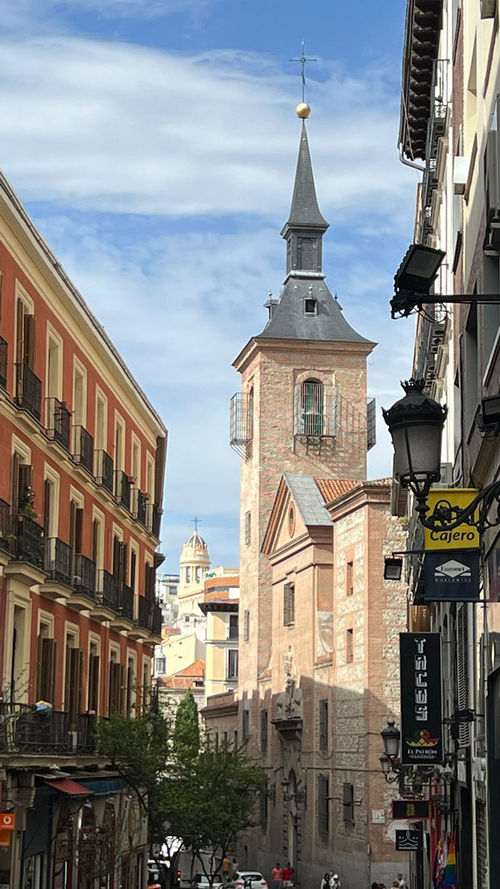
{"points": [[303, 59], [195, 521]]}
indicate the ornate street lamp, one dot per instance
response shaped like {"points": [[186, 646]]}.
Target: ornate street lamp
{"points": [[391, 737], [415, 423], [393, 770]]}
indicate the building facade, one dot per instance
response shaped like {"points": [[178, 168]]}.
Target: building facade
{"points": [[450, 130], [81, 482]]}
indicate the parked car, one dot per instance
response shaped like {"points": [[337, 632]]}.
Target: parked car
{"points": [[248, 879], [201, 881]]}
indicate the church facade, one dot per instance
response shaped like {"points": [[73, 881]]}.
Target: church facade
{"points": [[319, 626]]}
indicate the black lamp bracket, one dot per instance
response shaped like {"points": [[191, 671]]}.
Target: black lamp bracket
{"points": [[446, 516], [406, 301]]}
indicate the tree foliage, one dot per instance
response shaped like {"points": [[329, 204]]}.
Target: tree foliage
{"points": [[187, 787]]}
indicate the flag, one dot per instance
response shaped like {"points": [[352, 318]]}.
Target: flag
{"points": [[450, 869]]}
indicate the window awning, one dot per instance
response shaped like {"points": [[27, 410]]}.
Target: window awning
{"points": [[70, 788]]}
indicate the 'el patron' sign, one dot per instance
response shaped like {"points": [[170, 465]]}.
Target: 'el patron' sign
{"points": [[420, 668]]}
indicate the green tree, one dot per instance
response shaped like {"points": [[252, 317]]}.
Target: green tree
{"points": [[186, 738]]}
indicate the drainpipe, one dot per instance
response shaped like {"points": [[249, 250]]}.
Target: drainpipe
{"points": [[408, 163]]}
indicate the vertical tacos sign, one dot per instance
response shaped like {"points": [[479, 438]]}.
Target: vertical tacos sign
{"points": [[420, 669]]}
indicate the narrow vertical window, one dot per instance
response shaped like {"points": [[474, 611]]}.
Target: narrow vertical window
{"points": [[349, 578], [348, 803], [248, 527], [349, 646], [263, 731], [312, 407], [323, 724], [288, 604], [246, 625], [323, 805]]}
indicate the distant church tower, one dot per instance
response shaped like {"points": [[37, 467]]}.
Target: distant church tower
{"points": [[193, 564], [302, 406]]}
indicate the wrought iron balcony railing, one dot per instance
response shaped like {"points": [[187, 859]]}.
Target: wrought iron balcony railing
{"points": [[23, 729], [107, 587], [142, 502], [5, 525], [84, 576], [156, 520], [58, 422], [27, 541], [58, 560], [28, 390], [3, 362], [122, 488], [145, 611], [83, 448], [156, 620], [127, 602], [104, 470]]}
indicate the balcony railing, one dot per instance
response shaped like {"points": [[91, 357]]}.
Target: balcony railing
{"points": [[156, 520], [27, 542], [58, 560], [58, 422], [104, 470], [28, 390], [107, 586], [23, 729], [142, 502], [122, 488], [83, 448], [84, 576], [3, 362], [127, 602], [157, 620], [5, 524], [145, 610]]}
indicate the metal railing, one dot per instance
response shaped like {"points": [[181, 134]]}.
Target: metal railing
{"points": [[156, 520], [127, 602], [27, 541], [84, 576], [122, 488], [142, 502], [156, 620], [104, 470], [145, 610], [24, 729], [83, 448], [58, 560], [28, 390], [58, 421], [5, 524], [3, 362], [107, 586]]}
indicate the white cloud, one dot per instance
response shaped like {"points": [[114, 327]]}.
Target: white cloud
{"points": [[123, 128]]}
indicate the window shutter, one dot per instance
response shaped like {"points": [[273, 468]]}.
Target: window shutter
{"points": [[25, 476], [323, 724], [19, 331], [47, 506], [123, 558], [39, 669], [462, 673], [48, 670], [78, 530], [93, 696], [323, 805], [121, 674], [348, 803], [133, 568], [263, 731], [15, 483], [116, 557], [29, 341]]}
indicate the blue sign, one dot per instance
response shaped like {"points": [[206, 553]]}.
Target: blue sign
{"points": [[451, 576]]}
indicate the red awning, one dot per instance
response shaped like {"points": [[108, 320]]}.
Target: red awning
{"points": [[71, 788]]}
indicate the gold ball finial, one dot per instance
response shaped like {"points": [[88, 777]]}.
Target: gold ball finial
{"points": [[303, 110]]}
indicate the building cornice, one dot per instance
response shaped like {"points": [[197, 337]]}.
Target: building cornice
{"points": [[264, 345]]}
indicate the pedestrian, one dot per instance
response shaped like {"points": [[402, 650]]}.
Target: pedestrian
{"points": [[226, 864], [374, 886], [287, 874], [234, 868], [277, 876], [402, 882], [325, 882], [334, 881]]}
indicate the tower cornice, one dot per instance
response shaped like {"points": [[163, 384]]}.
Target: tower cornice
{"points": [[267, 344]]}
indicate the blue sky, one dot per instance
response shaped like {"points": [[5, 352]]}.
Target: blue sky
{"points": [[154, 143]]}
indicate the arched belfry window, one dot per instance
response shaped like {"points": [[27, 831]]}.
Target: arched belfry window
{"points": [[312, 407]]}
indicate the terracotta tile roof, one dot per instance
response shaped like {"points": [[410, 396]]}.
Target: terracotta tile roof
{"points": [[187, 677], [196, 670], [333, 488]]}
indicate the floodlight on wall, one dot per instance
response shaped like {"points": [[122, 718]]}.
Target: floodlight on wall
{"points": [[415, 277], [393, 568]]}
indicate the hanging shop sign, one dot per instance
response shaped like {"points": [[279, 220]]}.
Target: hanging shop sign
{"points": [[451, 577], [420, 672], [411, 809], [464, 536], [409, 840], [7, 820]]}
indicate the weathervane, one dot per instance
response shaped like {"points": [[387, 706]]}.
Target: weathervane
{"points": [[303, 59]]}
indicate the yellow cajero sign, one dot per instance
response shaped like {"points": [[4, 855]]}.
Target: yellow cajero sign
{"points": [[463, 536]]}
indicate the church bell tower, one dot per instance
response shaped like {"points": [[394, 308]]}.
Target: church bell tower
{"points": [[302, 407]]}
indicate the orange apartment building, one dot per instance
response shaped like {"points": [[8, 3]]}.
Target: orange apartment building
{"points": [[82, 455]]}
